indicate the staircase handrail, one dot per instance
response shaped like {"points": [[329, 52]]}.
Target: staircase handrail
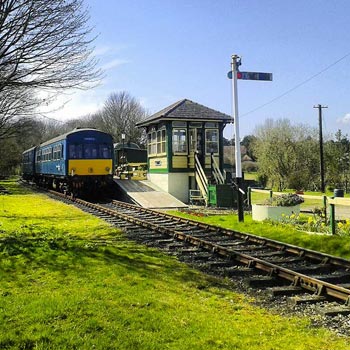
{"points": [[219, 178], [201, 179]]}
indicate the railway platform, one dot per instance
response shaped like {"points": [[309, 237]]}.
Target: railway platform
{"points": [[147, 195]]}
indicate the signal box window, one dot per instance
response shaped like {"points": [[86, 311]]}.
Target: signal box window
{"points": [[152, 142], [211, 141], [195, 140], [161, 141], [179, 141]]}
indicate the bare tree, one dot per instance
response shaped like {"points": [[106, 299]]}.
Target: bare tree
{"points": [[119, 116], [44, 45]]}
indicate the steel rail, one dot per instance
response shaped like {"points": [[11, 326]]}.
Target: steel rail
{"points": [[289, 248], [297, 279]]}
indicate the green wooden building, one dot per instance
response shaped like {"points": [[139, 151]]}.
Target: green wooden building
{"points": [[185, 149]]}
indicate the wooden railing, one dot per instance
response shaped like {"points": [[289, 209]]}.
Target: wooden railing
{"points": [[219, 178], [201, 179]]}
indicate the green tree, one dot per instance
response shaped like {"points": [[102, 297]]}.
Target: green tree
{"points": [[248, 142], [286, 154], [337, 163]]}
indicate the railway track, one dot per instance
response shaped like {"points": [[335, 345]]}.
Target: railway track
{"points": [[303, 275], [3, 190]]}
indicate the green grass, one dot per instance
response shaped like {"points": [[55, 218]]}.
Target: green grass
{"points": [[70, 281], [334, 245], [250, 176], [309, 203]]}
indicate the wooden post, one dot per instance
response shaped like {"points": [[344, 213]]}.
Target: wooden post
{"points": [[332, 218], [249, 196], [325, 208]]}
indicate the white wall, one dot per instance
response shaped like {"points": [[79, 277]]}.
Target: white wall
{"points": [[178, 186], [175, 184], [160, 180]]}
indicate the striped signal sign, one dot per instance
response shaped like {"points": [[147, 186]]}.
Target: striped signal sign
{"points": [[251, 76]]}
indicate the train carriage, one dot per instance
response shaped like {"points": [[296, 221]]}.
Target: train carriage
{"points": [[79, 161], [28, 164]]}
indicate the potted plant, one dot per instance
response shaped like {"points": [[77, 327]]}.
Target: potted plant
{"points": [[276, 207]]}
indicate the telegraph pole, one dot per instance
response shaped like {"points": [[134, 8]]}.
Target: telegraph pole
{"points": [[319, 107]]}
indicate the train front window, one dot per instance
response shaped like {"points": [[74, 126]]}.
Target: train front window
{"points": [[75, 151], [90, 151], [105, 152]]}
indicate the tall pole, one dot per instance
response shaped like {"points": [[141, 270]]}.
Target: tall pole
{"points": [[123, 155], [319, 107], [235, 63]]}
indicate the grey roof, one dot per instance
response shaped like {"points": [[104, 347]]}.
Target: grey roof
{"points": [[186, 110], [63, 136]]}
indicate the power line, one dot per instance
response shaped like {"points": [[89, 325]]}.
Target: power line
{"points": [[297, 86]]}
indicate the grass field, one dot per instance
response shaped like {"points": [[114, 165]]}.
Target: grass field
{"points": [[71, 281], [317, 202], [330, 244]]}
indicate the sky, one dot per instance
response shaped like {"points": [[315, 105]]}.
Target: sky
{"points": [[161, 51]]}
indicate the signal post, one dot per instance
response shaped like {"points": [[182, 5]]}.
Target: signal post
{"points": [[235, 74]]}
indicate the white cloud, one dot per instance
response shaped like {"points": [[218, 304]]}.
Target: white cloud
{"points": [[102, 50], [344, 120], [113, 63], [74, 104]]}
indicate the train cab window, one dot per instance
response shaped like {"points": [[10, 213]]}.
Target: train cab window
{"points": [[75, 151], [105, 152], [90, 151], [211, 141], [179, 141]]}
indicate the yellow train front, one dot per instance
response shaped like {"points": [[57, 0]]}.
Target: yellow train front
{"points": [[80, 162]]}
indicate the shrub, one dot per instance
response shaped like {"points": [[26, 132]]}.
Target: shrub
{"points": [[249, 166], [285, 200]]}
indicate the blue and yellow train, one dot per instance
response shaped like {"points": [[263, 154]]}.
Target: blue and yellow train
{"points": [[79, 162]]}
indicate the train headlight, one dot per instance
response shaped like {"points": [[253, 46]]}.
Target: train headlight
{"points": [[72, 172]]}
